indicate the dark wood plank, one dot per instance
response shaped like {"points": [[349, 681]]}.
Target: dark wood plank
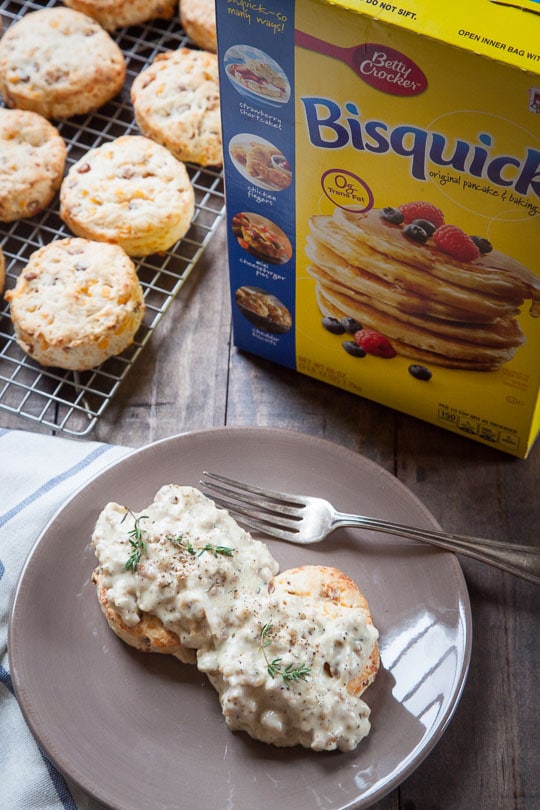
{"points": [[262, 393], [180, 380], [488, 757]]}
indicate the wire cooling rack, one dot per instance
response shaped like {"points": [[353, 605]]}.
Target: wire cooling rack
{"points": [[72, 402]]}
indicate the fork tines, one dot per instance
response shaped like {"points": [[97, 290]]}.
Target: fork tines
{"points": [[256, 507]]}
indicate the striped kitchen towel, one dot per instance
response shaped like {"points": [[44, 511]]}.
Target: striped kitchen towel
{"points": [[38, 473]]}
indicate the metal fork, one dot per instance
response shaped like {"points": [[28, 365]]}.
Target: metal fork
{"points": [[305, 519]]}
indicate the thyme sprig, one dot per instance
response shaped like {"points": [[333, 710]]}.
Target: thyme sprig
{"points": [[197, 551], [136, 541], [274, 667]]}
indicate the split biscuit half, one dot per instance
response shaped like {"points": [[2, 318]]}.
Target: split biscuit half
{"points": [[329, 587], [149, 635]]}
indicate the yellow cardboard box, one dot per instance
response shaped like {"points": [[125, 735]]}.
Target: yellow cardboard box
{"points": [[382, 166]]}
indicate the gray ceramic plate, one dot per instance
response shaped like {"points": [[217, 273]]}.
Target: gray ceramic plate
{"points": [[138, 731]]}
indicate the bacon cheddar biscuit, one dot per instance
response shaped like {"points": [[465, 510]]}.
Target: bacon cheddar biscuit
{"points": [[176, 103], [32, 160], [130, 192], [59, 63], [112, 14], [76, 303]]}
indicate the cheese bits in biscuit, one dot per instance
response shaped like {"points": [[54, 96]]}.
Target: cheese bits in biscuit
{"points": [[59, 63], [130, 192], [76, 303]]}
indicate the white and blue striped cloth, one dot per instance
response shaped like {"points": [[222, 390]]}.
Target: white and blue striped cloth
{"points": [[38, 473]]}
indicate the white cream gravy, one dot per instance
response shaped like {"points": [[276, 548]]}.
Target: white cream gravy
{"points": [[228, 607]]}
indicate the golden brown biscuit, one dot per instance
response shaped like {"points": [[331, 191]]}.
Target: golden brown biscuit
{"points": [[191, 563], [112, 14], [198, 18], [176, 103], [294, 673], [330, 586], [32, 160], [149, 635], [130, 192], [76, 303], [59, 63]]}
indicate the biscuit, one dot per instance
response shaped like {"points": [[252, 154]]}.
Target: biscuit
{"points": [[131, 192], [198, 18], [112, 14], [59, 63], [176, 103], [32, 160], [330, 586], [149, 635], [289, 654], [76, 303], [183, 575], [303, 667]]}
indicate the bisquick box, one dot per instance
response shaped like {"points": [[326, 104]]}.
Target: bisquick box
{"points": [[382, 168]]}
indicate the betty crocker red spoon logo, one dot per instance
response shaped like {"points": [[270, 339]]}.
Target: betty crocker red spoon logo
{"points": [[381, 66]]}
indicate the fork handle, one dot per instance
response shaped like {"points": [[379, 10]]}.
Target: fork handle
{"points": [[522, 561]]}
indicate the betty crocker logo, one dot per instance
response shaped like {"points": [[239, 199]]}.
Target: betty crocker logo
{"points": [[388, 70]]}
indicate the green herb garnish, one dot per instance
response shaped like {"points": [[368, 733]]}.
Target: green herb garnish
{"points": [[196, 551], [138, 545], [215, 550], [300, 673], [274, 667]]}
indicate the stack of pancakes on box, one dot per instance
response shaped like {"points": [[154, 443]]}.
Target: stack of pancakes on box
{"points": [[432, 307]]}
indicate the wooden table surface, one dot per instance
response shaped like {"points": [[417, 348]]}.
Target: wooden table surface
{"points": [[190, 377]]}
